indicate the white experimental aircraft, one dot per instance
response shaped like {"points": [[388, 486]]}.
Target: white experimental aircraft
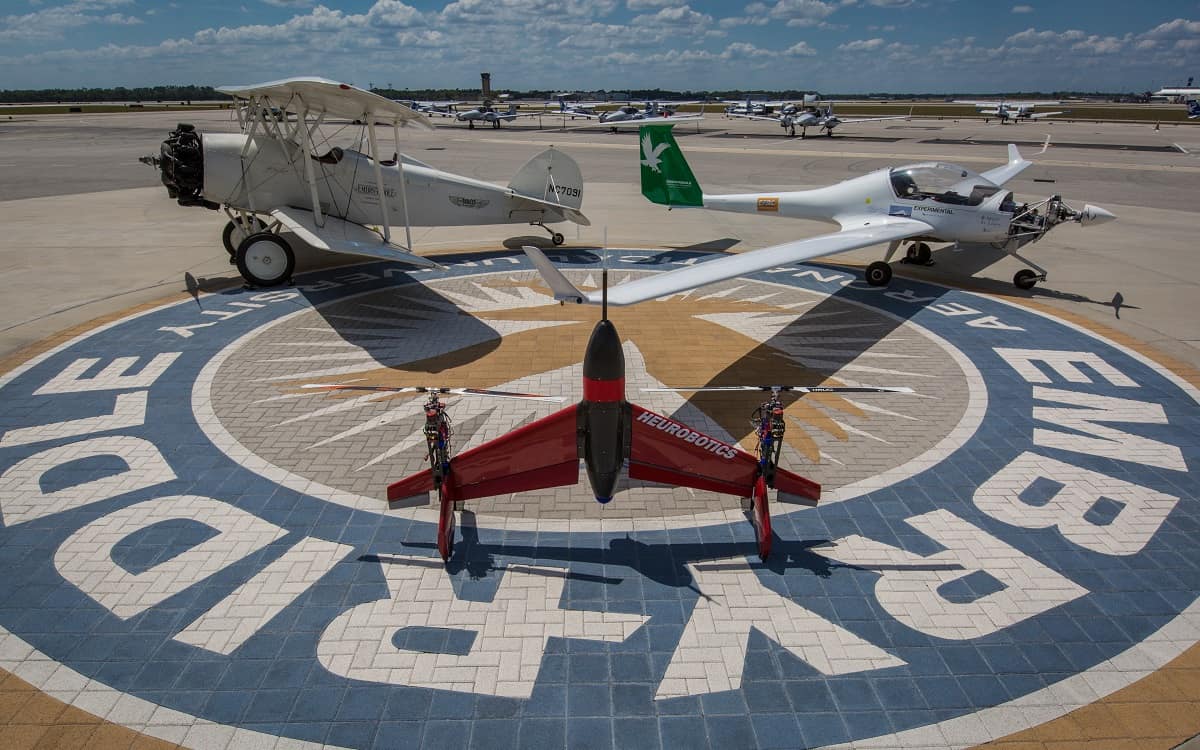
{"points": [[934, 202], [271, 178]]}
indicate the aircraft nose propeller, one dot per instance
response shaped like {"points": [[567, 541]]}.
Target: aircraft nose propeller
{"points": [[1091, 215]]}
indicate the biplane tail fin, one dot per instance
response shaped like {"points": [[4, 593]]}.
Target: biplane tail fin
{"points": [[551, 177]]}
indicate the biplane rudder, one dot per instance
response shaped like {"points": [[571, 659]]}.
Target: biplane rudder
{"points": [[550, 176]]}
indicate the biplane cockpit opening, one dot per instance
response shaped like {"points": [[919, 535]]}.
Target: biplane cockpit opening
{"points": [[282, 174], [332, 156]]}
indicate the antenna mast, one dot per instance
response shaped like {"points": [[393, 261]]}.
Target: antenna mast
{"points": [[604, 278]]}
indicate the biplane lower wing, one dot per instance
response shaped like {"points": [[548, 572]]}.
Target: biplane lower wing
{"points": [[539, 455], [528, 203], [340, 236], [665, 451]]}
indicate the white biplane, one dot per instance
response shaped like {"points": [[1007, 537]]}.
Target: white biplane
{"points": [[276, 177]]}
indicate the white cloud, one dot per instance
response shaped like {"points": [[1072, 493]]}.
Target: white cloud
{"points": [[53, 22], [290, 3], [862, 45], [796, 13], [648, 4], [1022, 9]]}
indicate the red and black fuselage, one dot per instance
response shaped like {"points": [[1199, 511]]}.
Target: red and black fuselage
{"points": [[604, 416]]}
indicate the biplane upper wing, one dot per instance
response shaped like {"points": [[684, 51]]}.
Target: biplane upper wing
{"points": [[663, 450], [339, 236], [322, 96], [541, 454]]}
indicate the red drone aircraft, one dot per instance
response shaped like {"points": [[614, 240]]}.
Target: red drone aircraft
{"points": [[606, 431]]}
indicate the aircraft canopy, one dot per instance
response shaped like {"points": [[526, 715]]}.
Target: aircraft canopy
{"points": [[323, 96]]}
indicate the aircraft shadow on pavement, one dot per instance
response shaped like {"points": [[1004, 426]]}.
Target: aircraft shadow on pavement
{"points": [[662, 562], [953, 267]]}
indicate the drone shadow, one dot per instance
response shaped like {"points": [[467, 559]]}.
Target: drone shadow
{"points": [[663, 563]]}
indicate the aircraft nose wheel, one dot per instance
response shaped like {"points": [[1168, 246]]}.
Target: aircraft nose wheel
{"points": [[234, 233], [557, 238], [1026, 279], [265, 259], [919, 254], [879, 273]]}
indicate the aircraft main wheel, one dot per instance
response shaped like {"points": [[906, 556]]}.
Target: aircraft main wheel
{"points": [[1025, 279], [919, 253], [557, 238], [879, 273], [265, 259], [233, 234]]}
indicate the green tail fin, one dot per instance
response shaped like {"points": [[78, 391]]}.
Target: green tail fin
{"points": [[666, 177]]}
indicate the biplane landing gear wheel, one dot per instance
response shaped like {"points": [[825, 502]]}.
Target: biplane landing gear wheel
{"points": [[233, 234], [557, 238], [919, 254], [1025, 279], [265, 259], [446, 527], [879, 273], [760, 517]]}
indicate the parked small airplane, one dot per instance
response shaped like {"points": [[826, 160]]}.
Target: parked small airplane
{"points": [[486, 113], [437, 109], [630, 116], [1014, 111], [271, 178], [792, 117], [575, 109], [918, 203]]}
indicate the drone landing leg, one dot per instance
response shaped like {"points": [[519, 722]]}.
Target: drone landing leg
{"points": [[446, 520], [760, 517]]}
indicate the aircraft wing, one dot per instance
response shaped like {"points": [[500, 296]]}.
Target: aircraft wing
{"points": [[662, 450], [1014, 167], [321, 95], [768, 118], [852, 237], [340, 236], [873, 119], [1040, 115], [541, 454], [653, 121], [570, 214]]}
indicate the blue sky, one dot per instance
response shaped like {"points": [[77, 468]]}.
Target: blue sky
{"points": [[820, 45]]}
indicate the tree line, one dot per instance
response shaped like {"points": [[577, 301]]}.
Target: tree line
{"points": [[208, 93]]}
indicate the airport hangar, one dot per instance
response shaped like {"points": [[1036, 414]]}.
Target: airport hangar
{"points": [[914, 607]]}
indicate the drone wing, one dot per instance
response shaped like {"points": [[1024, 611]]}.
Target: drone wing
{"points": [[541, 454], [665, 451]]}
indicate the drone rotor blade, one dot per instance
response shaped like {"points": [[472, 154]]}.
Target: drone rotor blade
{"points": [[376, 388], [793, 388], [503, 394], [432, 389]]}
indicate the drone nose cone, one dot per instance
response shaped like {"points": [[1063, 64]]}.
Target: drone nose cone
{"points": [[1092, 215], [603, 500]]}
